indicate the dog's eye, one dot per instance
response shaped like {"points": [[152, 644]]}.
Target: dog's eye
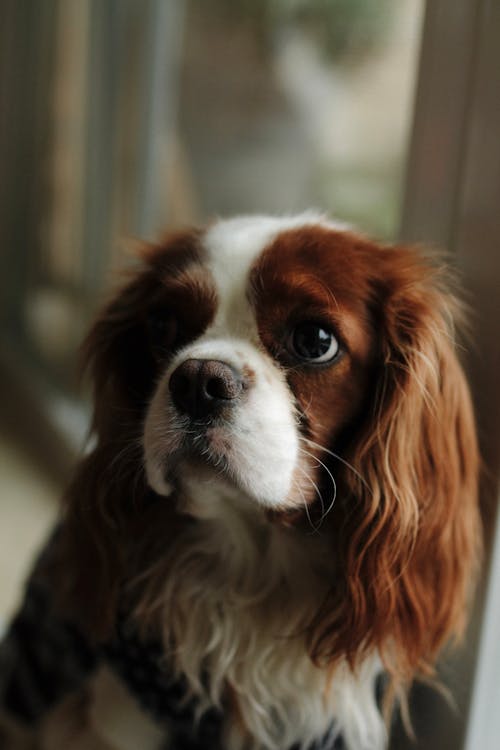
{"points": [[162, 333], [313, 343]]}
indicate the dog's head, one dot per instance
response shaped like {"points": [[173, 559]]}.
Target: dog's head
{"points": [[262, 359], [311, 375]]}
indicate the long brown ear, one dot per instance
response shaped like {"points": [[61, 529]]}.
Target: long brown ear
{"points": [[108, 480], [411, 538], [117, 357]]}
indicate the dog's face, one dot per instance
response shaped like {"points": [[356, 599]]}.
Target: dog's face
{"points": [[290, 363], [264, 341]]}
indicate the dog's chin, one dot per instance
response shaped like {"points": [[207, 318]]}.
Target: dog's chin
{"points": [[202, 483], [189, 468]]}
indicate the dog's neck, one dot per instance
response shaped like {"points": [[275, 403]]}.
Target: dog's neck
{"points": [[249, 540], [237, 594]]}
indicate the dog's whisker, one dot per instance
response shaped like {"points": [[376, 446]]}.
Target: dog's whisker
{"points": [[320, 447], [325, 467], [306, 504]]}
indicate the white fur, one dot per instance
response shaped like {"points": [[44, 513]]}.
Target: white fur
{"points": [[237, 595]]}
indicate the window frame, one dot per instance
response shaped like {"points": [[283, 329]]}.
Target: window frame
{"points": [[451, 201]]}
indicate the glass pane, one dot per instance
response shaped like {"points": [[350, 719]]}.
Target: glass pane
{"points": [[286, 105]]}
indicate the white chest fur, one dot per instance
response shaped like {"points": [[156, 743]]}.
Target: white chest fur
{"points": [[237, 596]]}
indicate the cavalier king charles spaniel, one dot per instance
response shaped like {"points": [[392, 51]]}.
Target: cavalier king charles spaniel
{"points": [[276, 528]]}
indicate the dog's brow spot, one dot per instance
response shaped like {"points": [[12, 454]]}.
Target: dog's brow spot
{"points": [[249, 374]]}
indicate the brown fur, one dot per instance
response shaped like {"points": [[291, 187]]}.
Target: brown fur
{"points": [[405, 529]]}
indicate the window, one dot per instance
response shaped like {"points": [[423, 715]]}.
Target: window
{"points": [[164, 113]]}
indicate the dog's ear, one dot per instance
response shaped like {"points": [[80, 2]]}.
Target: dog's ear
{"points": [[118, 359], [410, 542], [93, 541], [109, 489], [118, 352]]}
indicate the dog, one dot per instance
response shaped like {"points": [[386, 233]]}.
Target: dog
{"points": [[276, 529]]}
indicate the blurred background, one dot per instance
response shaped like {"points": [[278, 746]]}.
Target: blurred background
{"points": [[121, 118]]}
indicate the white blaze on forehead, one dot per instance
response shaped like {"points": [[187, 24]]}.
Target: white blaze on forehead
{"points": [[233, 246]]}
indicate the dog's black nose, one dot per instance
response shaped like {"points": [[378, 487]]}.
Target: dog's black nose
{"points": [[200, 388]]}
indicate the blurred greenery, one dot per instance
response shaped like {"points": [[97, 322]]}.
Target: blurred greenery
{"points": [[363, 197], [345, 30]]}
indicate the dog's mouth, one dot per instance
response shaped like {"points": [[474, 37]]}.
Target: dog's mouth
{"points": [[203, 449]]}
